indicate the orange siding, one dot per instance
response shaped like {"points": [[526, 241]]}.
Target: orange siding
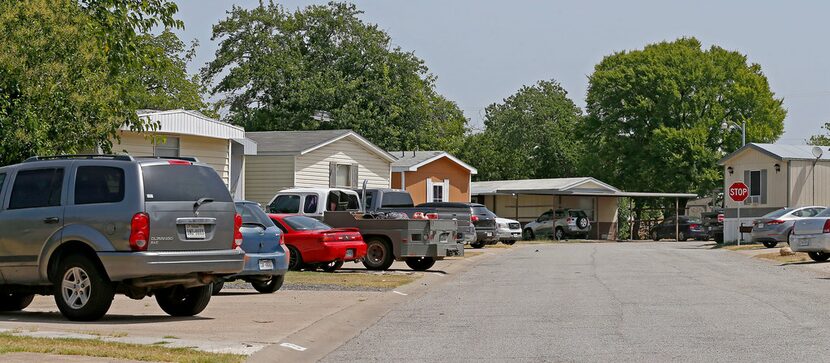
{"points": [[438, 170]]}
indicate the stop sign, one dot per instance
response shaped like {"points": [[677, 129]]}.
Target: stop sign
{"points": [[738, 191]]}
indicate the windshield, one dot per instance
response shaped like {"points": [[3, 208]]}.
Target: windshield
{"points": [[778, 213], [303, 223], [176, 183]]}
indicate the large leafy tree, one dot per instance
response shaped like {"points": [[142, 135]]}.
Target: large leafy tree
{"points": [[322, 67], [73, 72], [821, 139], [655, 115], [531, 134]]}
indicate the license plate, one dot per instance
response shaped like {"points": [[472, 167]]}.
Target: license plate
{"points": [[349, 253], [517, 234], [194, 231], [760, 225], [266, 265], [489, 234], [804, 242]]}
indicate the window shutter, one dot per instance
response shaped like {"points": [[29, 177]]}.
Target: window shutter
{"points": [[353, 170], [332, 174], [748, 185], [763, 186], [429, 190], [446, 190]]}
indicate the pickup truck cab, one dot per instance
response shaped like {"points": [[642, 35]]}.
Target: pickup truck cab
{"points": [[313, 202]]}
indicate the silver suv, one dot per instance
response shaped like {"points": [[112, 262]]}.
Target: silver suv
{"points": [[559, 224], [85, 227]]}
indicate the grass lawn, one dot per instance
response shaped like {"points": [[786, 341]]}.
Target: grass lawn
{"points": [[98, 348], [350, 279], [775, 256]]}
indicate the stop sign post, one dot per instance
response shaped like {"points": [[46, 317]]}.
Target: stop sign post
{"points": [[738, 192]]}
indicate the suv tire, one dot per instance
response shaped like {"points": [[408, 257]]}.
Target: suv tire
{"points": [[216, 287], [420, 263], [819, 256], [82, 291], [269, 286], [180, 301], [477, 244], [14, 301], [770, 244], [378, 254], [528, 234]]}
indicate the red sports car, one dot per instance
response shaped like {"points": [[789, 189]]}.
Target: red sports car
{"points": [[314, 244]]}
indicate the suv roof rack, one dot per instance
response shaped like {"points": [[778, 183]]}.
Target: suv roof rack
{"points": [[80, 156], [192, 159]]}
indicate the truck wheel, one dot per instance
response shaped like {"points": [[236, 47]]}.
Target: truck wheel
{"points": [[295, 260], [216, 287], [420, 263], [479, 244], [82, 291], [179, 301], [378, 254], [819, 256], [268, 287], [770, 244], [15, 302], [333, 266]]}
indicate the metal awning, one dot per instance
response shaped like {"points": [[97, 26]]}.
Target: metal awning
{"points": [[591, 193]]}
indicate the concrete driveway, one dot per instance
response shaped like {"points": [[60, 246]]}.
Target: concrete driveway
{"points": [[665, 301]]}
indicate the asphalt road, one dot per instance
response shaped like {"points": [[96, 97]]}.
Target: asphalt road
{"points": [[663, 301]]}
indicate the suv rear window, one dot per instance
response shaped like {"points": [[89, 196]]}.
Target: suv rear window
{"points": [[252, 214], [483, 211], [285, 204], [577, 213], [177, 183], [99, 184], [37, 188]]}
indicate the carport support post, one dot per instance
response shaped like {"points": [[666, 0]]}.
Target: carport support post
{"points": [[676, 219]]}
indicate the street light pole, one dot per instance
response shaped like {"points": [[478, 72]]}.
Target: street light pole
{"points": [[743, 133], [726, 126]]}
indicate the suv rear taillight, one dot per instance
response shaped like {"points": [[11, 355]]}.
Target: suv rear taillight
{"points": [[473, 218], [237, 233], [826, 226], [431, 215], [694, 226], [139, 231], [720, 218], [418, 215]]}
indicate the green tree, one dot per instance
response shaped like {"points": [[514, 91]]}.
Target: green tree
{"points": [[821, 139], [322, 67], [71, 72], [654, 115], [531, 134]]}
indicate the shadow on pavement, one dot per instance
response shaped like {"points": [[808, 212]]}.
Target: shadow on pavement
{"points": [[389, 270], [56, 317]]}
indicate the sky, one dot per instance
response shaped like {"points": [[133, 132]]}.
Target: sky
{"points": [[484, 51]]}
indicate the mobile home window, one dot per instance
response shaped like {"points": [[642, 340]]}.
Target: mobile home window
{"points": [[438, 193], [755, 183], [167, 148], [343, 177]]}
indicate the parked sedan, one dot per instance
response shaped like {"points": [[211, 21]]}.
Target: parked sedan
{"points": [[314, 244], [266, 260], [689, 228], [508, 231], [776, 226], [812, 235]]}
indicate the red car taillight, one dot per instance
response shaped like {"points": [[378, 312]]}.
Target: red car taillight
{"points": [[431, 215], [237, 232], [826, 226], [694, 226], [139, 231], [777, 221], [473, 218], [720, 218]]}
